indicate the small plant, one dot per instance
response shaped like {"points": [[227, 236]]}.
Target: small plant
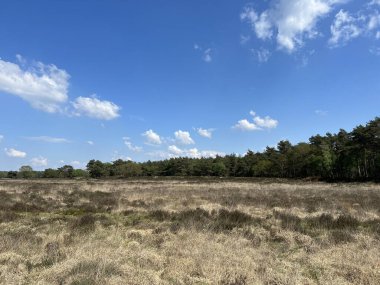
{"points": [[227, 220], [160, 215], [233, 279], [85, 223], [341, 236], [6, 217]]}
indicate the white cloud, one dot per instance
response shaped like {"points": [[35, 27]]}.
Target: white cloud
{"points": [[128, 143], [49, 139], [261, 24], [321, 112], [245, 125], [116, 155], [195, 153], [90, 142], [244, 39], [175, 150], [266, 122], [344, 28], [207, 55], [95, 108], [39, 161], [152, 137], [1, 138], [348, 26], [262, 54], [375, 2], [375, 51], [15, 153], [290, 21], [258, 123], [183, 137], [75, 163], [207, 133], [44, 87]]}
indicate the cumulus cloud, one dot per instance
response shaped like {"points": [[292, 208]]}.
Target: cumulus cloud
{"points": [[206, 133], [95, 108], [183, 137], [75, 163], [245, 125], [131, 147], [14, 153], [43, 86], [152, 137], [90, 142], [265, 123], [39, 161], [195, 153], [174, 151], [48, 139], [116, 155], [261, 24], [290, 22], [258, 123]]}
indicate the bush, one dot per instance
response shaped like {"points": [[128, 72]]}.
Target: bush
{"points": [[159, 215], [85, 223], [233, 279], [227, 220], [346, 222], [341, 236], [200, 219]]}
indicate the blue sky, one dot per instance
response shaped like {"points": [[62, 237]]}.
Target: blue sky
{"points": [[158, 79]]}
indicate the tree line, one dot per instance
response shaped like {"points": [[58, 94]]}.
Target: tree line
{"points": [[351, 156]]}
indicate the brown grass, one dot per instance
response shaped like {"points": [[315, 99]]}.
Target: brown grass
{"points": [[207, 231]]}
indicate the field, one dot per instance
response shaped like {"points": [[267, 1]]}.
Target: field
{"points": [[205, 231]]}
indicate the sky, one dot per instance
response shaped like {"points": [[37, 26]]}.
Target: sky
{"points": [[149, 80]]}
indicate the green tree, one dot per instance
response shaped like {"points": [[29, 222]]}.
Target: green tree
{"points": [[66, 171], [98, 169], [26, 172]]}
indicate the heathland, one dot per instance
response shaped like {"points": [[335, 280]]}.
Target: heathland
{"points": [[189, 231]]}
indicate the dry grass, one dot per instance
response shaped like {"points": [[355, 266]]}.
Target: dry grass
{"points": [[228, 232]]}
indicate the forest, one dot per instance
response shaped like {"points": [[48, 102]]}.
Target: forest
{"points": [[344, 156]]}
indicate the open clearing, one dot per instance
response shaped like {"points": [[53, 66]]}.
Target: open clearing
{"points": [[206, 231]]}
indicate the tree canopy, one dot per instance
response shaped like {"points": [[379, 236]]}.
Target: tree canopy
{"points": [[345, 155]]}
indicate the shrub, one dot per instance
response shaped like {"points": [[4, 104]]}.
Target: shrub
{"points": [[160, 215], [346, 222], [6, 217], [233, 279], [289, 221], [341, 236], [85, 223], [227, 220]]}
